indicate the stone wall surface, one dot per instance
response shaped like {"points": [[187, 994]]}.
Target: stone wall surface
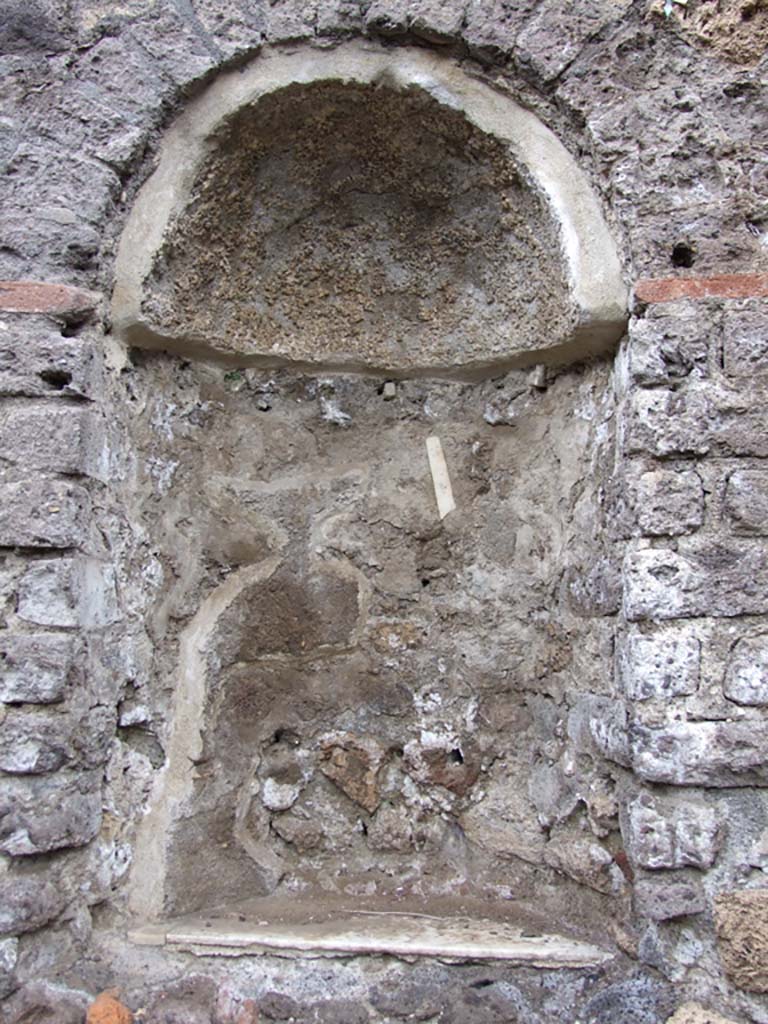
{"points": [[605, 575]]}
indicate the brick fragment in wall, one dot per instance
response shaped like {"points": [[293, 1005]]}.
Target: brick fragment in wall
{"points": [[746, 676], [43, 514], [741, 921], [746, 501], [701, 753], [663, 899], [60, 300], [724, 286], [745, 340], [709, 580], [36, 360], [659, 665], [40, 813], [68, 592], [698, 419], [27, 902], [33, 742], [669, 502], [671, 833], [59, 440], [667, 349], [554, 36], [36, 668]]}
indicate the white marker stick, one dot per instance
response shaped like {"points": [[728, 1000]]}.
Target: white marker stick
{"points": [[440, 478]]}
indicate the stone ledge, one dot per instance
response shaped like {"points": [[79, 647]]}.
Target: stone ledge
{"points": [[42, 297], [719, 286]]}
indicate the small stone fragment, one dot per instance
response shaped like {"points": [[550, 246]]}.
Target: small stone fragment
{"points": [[353, 763], [107, 1009]]}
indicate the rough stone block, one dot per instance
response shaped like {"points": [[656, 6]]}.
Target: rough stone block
{"points": [[9, 955], [40, 297], [43, 513], [659, 665], [237, 29], [701, 753], [663, 899], [746, 501], [178, 47], [387, 18], [741, 920], [718, 581], [58, 440], [68, 592], [492, 26], [695, 1013], [667, 834], [669, 503], [43, 813], [436, 22], [36, 668], [666, 350], [745, 341], [599, 724], [37, 360], [746, 678], [555, 35], [586, 861], [27, 902], [33, 743]]}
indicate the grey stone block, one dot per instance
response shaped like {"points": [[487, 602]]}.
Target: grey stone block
{"points": [[36, 361], [58, 440], [659, 665], [43, 813], [701, 753], [667, 349], [745, 341], [43, 513], [746, 678], [669, 834], [663, 899], [36, 668], [236, 28], [9, 955], [639, 1000], [669, 503], [68, 592], [27, 902], [746, 501], [35, 742], [719, 581], [179, 49]]}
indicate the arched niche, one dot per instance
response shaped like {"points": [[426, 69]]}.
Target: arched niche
{"points": [[372, 211]]}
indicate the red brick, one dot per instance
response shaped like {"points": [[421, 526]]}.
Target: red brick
{"points": [[721, 286], [42, 297]]}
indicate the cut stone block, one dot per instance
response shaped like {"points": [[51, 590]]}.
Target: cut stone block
{"points": [[43, 513], [659, 665], [35, 668], [746, 678]]}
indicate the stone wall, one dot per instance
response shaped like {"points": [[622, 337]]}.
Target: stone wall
{"points": [[661, 705]]}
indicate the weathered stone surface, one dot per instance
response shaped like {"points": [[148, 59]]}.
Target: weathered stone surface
{"points": [[48, 813], [701, 753], [641, 1000], [585, 861], [725, 286], [746, 501], [695, 1013], [58, 440], [43, 513], [658, 665], [492, 26], [669, 834], [741, 920], [746, 677], [37, 360], [719, 581], [437, 760], [68, 592], [237, 29], [27, 902], [669, 503], [666, 350], [107, 1009], [36, 668], [33, 743], [745, 341], [9, 955], [353, 763], [40, 297], [663, 899], [43, 1003]]}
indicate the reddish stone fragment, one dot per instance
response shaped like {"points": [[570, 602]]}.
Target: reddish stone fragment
{"points": [[107, 1009], [720, 286], [353, 763], [42, 297]]}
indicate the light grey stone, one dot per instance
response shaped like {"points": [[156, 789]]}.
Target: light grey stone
{"points": [[68, 592], [43, 513], [37, 360], [599, 724], [33, 743], [667, 349], [28, 901], [663, 899], [746, 501], [669, 503], [746, 677], [671, 834], [43, 813], [659, 665], [745, 341], [719, 581], [586, 861], [66, 440], [701, 753], [35, 668], [9, 955]]}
